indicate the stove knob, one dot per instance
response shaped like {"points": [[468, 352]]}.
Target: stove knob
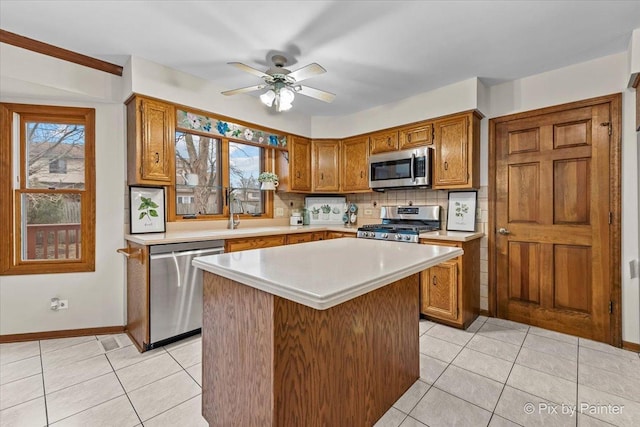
{"points": [[407, 237], [385, 235], [371, 234], [398, 237]]}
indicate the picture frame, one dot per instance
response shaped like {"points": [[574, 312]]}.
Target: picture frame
{"points": [[461, 212], [146, 210]]}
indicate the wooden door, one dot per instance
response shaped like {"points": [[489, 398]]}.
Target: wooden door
{"points": [[384, 141], [440, 291], [451, 164], [157, 140], [300, 167], [355, 164], [553, 205], [416, 136], [326, 166]]}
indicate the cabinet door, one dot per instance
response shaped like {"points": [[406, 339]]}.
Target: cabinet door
{"points": [[292, 239], [300, 164], [355, 164], [156, 127], [326, 166], [416, 136], [451, 163], [439, 290], [384, 141], [235, 245], [339, 235]]}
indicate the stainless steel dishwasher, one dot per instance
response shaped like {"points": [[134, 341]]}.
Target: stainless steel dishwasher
{"points": [[175, 290]]}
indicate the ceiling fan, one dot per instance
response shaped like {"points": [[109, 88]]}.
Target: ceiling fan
{"points": [[282, 84]]}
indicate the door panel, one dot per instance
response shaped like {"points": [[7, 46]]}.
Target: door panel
{"points": [[553, 200]]}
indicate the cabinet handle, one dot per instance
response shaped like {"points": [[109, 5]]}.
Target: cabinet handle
{"points": [[446, 166], [435, 282], [361, 174], [389, 141], [408, 137], [321, 176], [298, 174], [157, 157]]}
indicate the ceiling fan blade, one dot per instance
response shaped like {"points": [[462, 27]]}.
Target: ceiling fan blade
{"points": [[244, 89], [249, 69], [306, 72], [316, 93]]}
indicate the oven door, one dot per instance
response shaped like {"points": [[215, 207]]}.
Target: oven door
{"points": [[407, 168]]}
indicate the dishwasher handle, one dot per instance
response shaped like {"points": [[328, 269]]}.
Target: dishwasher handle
{"points": [[196, 252]]}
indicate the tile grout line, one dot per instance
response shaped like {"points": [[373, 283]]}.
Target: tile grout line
{"points": [[123, 389], [44, 390]]}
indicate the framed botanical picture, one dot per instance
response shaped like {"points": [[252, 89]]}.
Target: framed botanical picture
{"points": [[461, 215], [146, 206]]}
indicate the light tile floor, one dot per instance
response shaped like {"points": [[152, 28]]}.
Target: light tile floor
{"points": [[496, 373]]}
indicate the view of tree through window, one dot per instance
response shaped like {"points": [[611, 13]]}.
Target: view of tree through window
{"points": [[198, 177], [245, 164]]}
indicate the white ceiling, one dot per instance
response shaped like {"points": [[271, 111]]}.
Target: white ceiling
{"points": [[375, 52]]}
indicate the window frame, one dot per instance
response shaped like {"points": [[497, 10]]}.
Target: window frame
{"points": [[11, 262], [267, 160]]}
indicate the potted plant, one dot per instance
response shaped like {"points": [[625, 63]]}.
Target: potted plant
{"points": [[315, 212], [268, 180], [326, 210]]}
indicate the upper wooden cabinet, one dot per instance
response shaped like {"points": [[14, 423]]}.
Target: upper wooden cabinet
{"points": [[294, 168], [355, 164], [326, 165], [456, 163], [416, 136], [382, 142], [150, 141]]}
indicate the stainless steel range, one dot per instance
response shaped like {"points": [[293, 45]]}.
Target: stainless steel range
{"points": [[403, 223]]}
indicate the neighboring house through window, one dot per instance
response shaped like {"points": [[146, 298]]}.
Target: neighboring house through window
{"points": [[48, 189]]}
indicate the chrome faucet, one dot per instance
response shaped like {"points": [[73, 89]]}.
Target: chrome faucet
{"points": [[233, 223]]}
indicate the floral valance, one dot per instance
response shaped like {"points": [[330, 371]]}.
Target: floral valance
{"points": [[218, 127]]}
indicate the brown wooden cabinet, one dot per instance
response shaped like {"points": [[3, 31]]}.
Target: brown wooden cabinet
{"points": [[338, 234], [245, 243], [416, 136], [382, 142], [456, 162], [294, 167], [326, 165], [292, 239], [355, 164], [450, 291], [150, 141]]}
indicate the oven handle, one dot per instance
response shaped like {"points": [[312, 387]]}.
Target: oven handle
{"points": [[413, 161]]}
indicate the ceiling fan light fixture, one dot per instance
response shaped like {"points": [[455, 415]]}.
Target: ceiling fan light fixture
{"points": [[268, 97]]}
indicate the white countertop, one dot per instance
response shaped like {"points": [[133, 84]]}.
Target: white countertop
{"points": [[201, 235], [326, 273]]}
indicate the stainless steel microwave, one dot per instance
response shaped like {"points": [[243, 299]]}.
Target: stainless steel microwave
{"points": [[400, 169]]}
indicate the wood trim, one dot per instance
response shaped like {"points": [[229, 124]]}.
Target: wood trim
{"points": [[631, 346], [615, 101], [485, 313], [66, 333], [58, 52]]}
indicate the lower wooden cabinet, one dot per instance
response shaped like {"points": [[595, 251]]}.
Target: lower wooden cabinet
{"points": [[292, 239], [338, 234], [235, 245], [450, 291]]}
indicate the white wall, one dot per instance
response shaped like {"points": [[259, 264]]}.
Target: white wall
{"points": [[96, 298]]}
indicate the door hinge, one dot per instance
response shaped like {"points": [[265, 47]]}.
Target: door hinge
{"points": [[608, 124], [610, 307], [610, 218]]}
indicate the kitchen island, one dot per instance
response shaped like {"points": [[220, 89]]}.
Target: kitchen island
{"points": [[317, 334]]}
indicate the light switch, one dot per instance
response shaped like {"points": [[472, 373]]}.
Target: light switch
{"points": [[279, 212], [633, 268]]}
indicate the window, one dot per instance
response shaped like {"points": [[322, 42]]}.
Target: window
{"points": [[48, 177], [207, 167]]}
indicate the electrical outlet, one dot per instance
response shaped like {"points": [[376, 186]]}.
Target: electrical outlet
{"points": [[63, 304], [279, 212], [478, 213], [368, 212]]}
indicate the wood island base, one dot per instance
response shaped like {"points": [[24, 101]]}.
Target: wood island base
{"points": [[269, 361]]}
